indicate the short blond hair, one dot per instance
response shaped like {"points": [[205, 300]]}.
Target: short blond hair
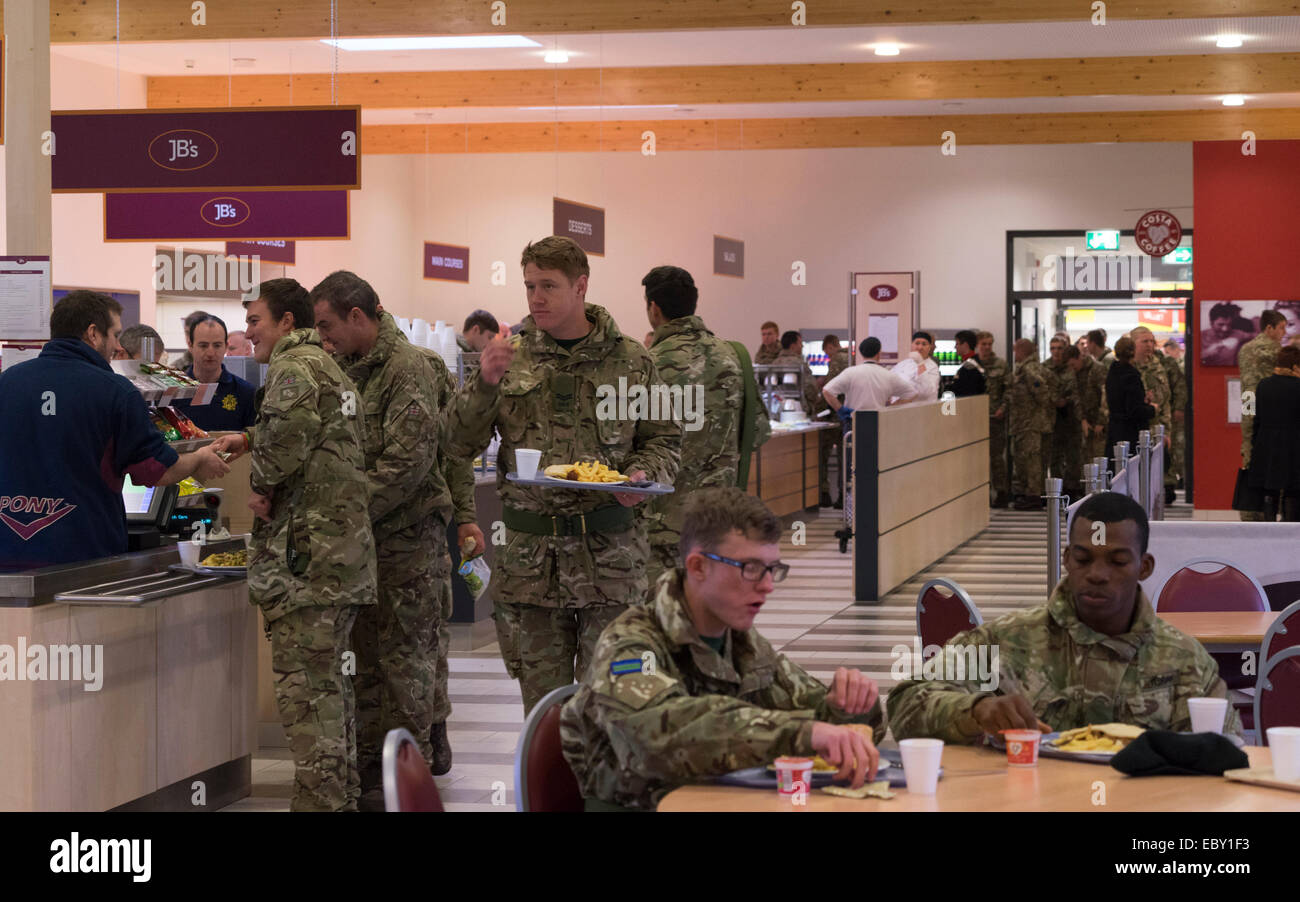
{"points": [[557, 252], [981, 335]]}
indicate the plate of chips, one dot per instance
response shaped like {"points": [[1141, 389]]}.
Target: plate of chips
{"points": [[890, 768], [589, 476], [1095, 743]]}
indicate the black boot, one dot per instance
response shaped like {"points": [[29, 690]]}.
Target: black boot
{"points": [[1170, 495], [441, 749]]}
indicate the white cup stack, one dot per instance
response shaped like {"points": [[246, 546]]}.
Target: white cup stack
{"points": [[420, 333]]}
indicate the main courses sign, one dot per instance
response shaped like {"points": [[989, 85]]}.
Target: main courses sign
{"points": [[198, 150]]}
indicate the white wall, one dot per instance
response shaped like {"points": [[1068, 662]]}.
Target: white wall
{"points": [[835, 210]]}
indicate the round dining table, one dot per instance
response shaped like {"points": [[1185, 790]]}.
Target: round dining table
{"points": [[979, 779]]}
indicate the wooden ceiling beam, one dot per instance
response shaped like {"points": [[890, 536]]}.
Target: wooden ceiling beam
{"points": [[1239, 73], [80, 21], [879, 131]]}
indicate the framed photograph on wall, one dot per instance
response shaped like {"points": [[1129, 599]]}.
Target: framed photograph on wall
{"points": [[1227, 325]]}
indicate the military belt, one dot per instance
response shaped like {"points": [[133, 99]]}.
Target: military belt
{"points": [[603, 519]]}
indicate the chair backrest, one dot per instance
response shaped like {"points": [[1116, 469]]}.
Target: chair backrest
{"points": [[941, 615], [408, 783], [1228, 588], [1283, 632], [543, 779], [1277, 693]]}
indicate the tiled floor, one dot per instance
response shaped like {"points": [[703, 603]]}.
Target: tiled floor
{"points": [[810, 617]]}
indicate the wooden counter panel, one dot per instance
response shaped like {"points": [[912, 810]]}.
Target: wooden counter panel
{"points": [[913, 489], [913, 429], [915, 545], [113, 749], [194, 723], [245, 631], [35, 740]]}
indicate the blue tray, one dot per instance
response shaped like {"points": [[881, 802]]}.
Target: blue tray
{"points": [[550, 482]]}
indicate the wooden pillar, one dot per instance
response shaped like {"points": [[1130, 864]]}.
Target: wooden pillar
{"points": [[27, 118]]}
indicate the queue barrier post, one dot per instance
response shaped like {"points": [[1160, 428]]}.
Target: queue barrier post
{"points": [[1056, 502], [1144, 471]]}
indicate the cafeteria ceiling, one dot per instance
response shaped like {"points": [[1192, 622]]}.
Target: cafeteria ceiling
{"points": [[752, 88]]}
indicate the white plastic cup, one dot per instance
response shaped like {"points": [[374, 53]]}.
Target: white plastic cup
{"points": [[1208, 714], [527, 461], [1284, 743], [921, 759], [190, 553]]}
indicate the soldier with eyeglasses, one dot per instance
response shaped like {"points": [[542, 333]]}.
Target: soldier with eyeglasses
{"points": [[685, 688]]}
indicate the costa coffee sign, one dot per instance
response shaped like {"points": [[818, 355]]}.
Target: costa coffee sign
{"points": [[882, 293], [1157, 233]]}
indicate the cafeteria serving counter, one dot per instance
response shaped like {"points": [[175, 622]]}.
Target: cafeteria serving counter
{"points": [[125, 685]]}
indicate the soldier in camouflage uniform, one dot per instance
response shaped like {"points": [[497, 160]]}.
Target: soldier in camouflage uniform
{"points": [[1256, 360], [1177, 415], [575, 559], [831, 440], [1095, 653], [1155, 381], [685, 688], [311, 561], [770, 349], [792, 352], [396, 641], [1029, 404], [1066, 437], [1090, 392], [686, 353], [995, 383]]}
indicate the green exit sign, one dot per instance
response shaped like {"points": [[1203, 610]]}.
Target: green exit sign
{"points": [[1102, 239], [1178, 255]]}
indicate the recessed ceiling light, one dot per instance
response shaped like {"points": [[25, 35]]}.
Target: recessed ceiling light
{"points": [[1228, 40], [887, 49], [556, 56], [424, 115], [952, 104], [243, 62], [1234, 100], [439, 42], [631, 106]]}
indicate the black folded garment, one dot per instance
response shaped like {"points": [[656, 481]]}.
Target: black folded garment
{"points": [[1164, 752]]}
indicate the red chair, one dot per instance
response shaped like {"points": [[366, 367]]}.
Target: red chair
{"points": [[408, 783], [1283, 633], [543, 779], [1226, 588], [1277, 694], [944, 609]]}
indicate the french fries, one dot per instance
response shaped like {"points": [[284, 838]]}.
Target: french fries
{"points": [[1107, 737], [585, 471]]}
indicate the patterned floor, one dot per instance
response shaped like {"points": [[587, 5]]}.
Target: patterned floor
{"points": [[810, 617]]}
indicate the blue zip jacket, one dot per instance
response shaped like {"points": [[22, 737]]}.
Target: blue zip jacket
{"points": [[70, 430]]}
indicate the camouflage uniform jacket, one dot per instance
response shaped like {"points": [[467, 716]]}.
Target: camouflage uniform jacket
{"points": [[1177, 382], [1256, 360], [1090, 389], [686, 353], [995, 381], [838, 363], [1029, 399], [564, 403], [1063, 388], [1155, 381], [766, 354], [1071, 674], [813, 401], [632, 737], [402, 417], [307, 454], [457, 472]]}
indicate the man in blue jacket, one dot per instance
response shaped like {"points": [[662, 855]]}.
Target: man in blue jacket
{"points": [[73, 429]]}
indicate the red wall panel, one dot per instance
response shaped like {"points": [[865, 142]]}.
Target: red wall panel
{"points": [[1247, 247]]}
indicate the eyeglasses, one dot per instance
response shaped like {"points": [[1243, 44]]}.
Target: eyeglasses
{"points": [[754, 571]]}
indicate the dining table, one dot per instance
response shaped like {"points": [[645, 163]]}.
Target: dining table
{"points": [[1222, 631], [977, 778]]}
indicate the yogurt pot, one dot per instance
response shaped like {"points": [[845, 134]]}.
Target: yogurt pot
{"points": [[793, 774], [1022, 747]]}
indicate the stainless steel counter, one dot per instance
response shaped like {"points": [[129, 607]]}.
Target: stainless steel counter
{"points": [[137, 577]]}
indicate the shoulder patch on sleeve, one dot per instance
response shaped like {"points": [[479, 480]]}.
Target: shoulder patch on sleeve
{"points": [[636, 690]]}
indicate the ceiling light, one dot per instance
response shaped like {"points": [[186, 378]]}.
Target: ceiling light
{"points": [[556, 56], [633, 106], [244, 62], [1228, 40], [1234, 100], [887, 49], [440, 42]]}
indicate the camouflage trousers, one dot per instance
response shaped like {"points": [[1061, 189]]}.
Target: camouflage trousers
{"points": [[1027, 463], [401, 645], [1177, 454], [539, 645], [999, 479], [316, 705], [1067, 455], [1094, 445]]}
